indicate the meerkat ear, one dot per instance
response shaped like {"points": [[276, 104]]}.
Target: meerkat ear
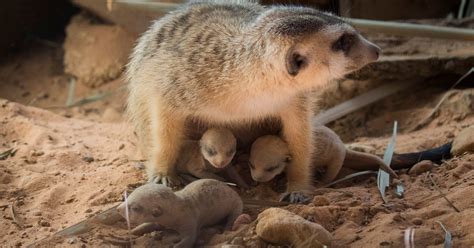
{"points": [[295, 62], [288, 159], [156, 212]]}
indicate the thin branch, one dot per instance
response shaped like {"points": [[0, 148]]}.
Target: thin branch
{"points": [[441, 192]]}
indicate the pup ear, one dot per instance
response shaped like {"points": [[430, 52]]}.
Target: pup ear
{"points": [[288, 159], [295, 62], [156, 212]]}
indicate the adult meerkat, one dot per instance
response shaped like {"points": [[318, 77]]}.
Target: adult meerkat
{"points": [[270, 155], [233, 63], [210, 157]]}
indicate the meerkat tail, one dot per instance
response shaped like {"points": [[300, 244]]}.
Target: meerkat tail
{"points": [[366, 161], [407, 160]]}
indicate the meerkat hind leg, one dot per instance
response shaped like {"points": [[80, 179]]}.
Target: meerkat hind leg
{"points": [[333, 168]]}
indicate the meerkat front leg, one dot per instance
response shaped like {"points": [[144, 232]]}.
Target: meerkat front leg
{"points": [[297, 132], [167, 135]]}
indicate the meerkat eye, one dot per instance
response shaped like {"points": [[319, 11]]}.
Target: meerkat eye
{"points": [[251, 165], [230, 152], [271, 168], [295, 62], [344, 43], [211, 152], [136, 208]]}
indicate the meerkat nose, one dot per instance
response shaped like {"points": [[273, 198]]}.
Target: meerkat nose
{"points": [[221, 164], [375, 51]]}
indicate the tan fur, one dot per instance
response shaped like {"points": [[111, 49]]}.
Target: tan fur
{"points": [[269, 155], [210, 157], [235, 64], [185, 211]]}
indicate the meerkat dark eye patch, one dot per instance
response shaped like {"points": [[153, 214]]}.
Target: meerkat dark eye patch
{"points": [[344, 43], [211, 152], [271, 168], [295, 62], [230, 152], [137, 208]]}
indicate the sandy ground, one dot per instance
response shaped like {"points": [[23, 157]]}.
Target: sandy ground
{"points": [[71, 163]]}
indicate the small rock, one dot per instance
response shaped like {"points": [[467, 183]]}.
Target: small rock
{"points": [[241, 220], [18, 243], [88, 210], [397, 217], [384, 243], [417, 221], [121, 147], [421, 167], [88, 159], [37, 213], [71, 241], [464, 142], [320, 201], [37, 153], [237, 241], [279, 226], [44, 223]]}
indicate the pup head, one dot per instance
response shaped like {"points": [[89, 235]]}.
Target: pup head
{"points": [[150, 203], [269, 156], [218, 147]]}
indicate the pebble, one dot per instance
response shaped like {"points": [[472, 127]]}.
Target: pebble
{"points": [[237, 241], [44, 223], [320, 201], [279, 226], [464, 142], [241, 220], [88, 159], [417, 221], [421, 167]]}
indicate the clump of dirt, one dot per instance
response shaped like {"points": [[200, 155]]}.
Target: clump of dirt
{"points": [[95, 53]]}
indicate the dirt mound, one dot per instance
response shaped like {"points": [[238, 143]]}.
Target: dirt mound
{"points": [[65, 170]]}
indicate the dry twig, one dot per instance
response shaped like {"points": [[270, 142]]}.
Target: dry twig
{"points": [[446, 95], [430, 176], [15, 219]]}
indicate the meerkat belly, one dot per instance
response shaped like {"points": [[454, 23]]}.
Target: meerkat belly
{"points": [[245, 109]]}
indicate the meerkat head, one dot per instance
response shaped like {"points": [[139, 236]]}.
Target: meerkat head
{"points": [[314, 47], [269, 156], [149, 203], [218, 146]]}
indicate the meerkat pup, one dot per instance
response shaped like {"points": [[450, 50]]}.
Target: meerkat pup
{"points": [[186, 211], [270, 155], [233, 63], [210, 155]]}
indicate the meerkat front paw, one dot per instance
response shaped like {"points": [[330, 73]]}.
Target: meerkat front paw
{"points": [[295, 197], [169, 180]]}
